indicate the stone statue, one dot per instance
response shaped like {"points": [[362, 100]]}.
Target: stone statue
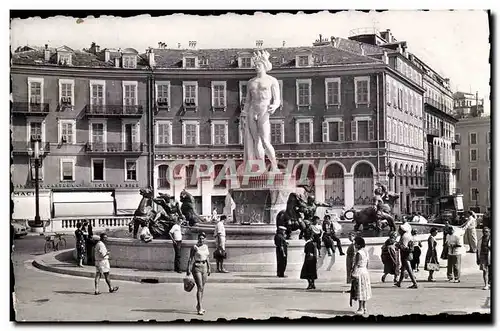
{"points": [[188, 208], [262, 100], [292, 218], [144, 211]]}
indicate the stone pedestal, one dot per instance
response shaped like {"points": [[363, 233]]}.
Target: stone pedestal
{"points": [[259, 205]]}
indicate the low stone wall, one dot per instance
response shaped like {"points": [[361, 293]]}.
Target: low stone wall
{"points": [[243, 255]]}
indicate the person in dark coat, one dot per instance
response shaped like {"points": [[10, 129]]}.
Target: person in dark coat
{"points": [[281, 251], [80, 243], [309, 268], [89, 242], [389, 257]]}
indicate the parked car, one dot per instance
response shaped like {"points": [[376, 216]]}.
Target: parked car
{"points": [[19, 230]]}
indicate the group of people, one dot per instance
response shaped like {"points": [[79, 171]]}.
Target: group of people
{"points": [[84, 243]]}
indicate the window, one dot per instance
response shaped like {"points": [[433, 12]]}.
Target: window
{"points": [[97, 133], [191, 176], [190, 62], [218, 94], [457, 137], [362, 90], [407, 136], [130, 170], [277, 132], [304, 131], [388, 133], [394, 93], [405, 105], [190, 90], [401, 133], [303, 60], [67, 170], [457, 156], [163, 94], [98, 169], [163, 177], [473, 155], [473, 174], [362, 129], [97, 93], [131, 135], [332, 87], [35, 93], [400, 98], [35, 129], [303, 92], [411, 102], [130, 93], [66, 92], [190, 133], [64, 58], [129, 61], [219, 132], [164, 133], [243, 92], [333, 130], [474, 194], [67, 132], [245, 62], [473, 138]]}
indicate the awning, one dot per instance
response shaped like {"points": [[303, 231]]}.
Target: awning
{"points": [[83, 204]]}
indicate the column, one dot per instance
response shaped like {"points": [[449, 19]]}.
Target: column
{"points": [[391, 183], [319, 185], [349, 190], [206, 195]]}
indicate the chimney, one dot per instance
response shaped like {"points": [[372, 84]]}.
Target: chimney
{"points": [[385, 58], [178, 45], [106, 55], [284, 43], [400, 49], [46, 53], [117, 62], [192, 44], [151, 58], [362, 50], [259, 43]]}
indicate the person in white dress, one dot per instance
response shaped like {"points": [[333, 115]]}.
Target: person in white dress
{"points": [[361, 289]]}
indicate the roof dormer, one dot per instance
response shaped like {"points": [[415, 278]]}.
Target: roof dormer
{"points": [[190, 61], [129, 58], [303, 58], [64, 55], [245, 60]]}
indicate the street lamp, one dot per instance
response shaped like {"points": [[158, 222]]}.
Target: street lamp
{"points": [[36, 153]]}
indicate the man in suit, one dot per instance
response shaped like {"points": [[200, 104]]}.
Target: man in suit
{"points": [[281, 251]]}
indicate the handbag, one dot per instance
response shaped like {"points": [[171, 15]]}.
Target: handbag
{"points": [[188, 284], [431, 266]]}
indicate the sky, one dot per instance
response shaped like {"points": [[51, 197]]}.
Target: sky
{"points": [[454, 43]]}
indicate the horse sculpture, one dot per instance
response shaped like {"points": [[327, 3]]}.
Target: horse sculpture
{"points": [[188, 208], [370, 215], [144, 212], [292, 217]]}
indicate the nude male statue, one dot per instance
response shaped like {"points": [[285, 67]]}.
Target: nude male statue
{"points": [[262, 100]]}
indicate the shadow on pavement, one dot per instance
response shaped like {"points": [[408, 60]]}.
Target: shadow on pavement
{"points": [[296, 289], [324, 311], [256, 276], [167, 311], [74, 292]]}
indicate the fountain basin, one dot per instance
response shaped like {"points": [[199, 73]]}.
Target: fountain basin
{"points": [[246, 252]]}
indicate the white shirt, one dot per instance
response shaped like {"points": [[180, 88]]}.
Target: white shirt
{"points": [[457, 238], [176, 233], [101, 252], [220, 229], [471, 223]]}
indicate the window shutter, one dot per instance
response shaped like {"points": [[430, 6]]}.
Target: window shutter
{"points": [[388, 130], [341, 131], [325, 130], [353, 131], [370, 130], [388, 92]]}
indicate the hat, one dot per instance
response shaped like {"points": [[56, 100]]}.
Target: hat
{"points": [[406, 227], [281, 228]]}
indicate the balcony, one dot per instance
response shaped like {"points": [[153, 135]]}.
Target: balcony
{"points": [[30, 109], [114, 148], [21, 147], [114, 111], [437, 105]]}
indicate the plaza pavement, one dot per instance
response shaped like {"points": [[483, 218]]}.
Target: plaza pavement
{"points": [[48, 296]]}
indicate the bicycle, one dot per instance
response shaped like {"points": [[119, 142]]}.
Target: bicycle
{"points": [[55, 242]]}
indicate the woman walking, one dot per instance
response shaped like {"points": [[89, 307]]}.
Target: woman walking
{"points": [[309, 271], [361, 289], [199, 265], [349, 258], [431, 258], [389, 257], [484, 257], [80, 243]]}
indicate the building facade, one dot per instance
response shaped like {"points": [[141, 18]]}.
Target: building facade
{"points": [[473, 160], [89, 110], [467, 105], [347, 120]]}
